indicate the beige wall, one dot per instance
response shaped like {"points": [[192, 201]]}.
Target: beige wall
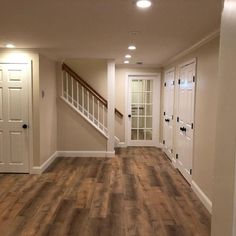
{"points": [[121, 73], [74, 132], [224, 182], [48, 108], [205, 112]]}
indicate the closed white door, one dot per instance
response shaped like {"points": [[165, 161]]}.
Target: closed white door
{"points": [[143, 111], [185, 119], [14, 116], [168, 112]]}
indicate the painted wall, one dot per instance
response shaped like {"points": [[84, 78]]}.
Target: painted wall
{"points": [[74, 132], [48, 108], [121, 73], [205, 112], [224, 200]]}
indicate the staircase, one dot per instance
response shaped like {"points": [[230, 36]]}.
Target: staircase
{"points": [[82, 98]]}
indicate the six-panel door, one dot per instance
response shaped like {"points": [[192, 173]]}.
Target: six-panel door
{"points": [[14, 115], [185, 116]]}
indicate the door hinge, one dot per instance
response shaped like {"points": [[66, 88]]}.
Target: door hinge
{"points": [[192, 125], [190, 171], [165, 84], [172, 117], [177, 156], [193, 78], [164, 113], [164, 142], [177, 119], [173, 82], [179, 81], [171, 150]]}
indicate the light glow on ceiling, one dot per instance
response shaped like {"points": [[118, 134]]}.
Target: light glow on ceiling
{"points": [[10, 45], [128, 56], [126, 62], [143, 3], [131, 47]]}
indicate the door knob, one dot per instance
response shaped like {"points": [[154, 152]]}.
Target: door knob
{"points": [[167, 120], [129, 116], [24, 126], [183, 129]]}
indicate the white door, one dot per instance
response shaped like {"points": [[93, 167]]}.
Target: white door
{"points": [[143, 110], [185, 119], [14, 154], [168, 112]]}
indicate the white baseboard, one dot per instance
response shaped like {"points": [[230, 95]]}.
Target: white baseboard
{"points": [[202, 196], [159, 145], [122, 145], [40, 169], [85, 154]]}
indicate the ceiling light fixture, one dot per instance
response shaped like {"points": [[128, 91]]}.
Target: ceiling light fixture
{"points": [[131, 47], [9, 45], [143, 3], [126, 62], [128, 56]]}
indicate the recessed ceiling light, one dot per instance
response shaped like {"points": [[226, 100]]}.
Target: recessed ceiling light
{"points": [[9, 45], [128, 56], [126, 62], [131, 47], [143, 3]]}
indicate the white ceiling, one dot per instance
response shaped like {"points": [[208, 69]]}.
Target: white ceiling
{"points": [[100, 28]]}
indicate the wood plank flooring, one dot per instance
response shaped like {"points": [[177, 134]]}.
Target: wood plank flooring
{"points": [[138, 193]]}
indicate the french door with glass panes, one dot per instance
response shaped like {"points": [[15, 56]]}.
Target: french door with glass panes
{"points": [[142, 111]]}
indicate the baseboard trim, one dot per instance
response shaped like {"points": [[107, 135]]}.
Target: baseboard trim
{"points": [[202, 196], [85, 154], [122, 145], [40, 169]]}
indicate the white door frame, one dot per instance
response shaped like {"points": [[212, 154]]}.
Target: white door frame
{"points": [[21, 58], [156, 112]]}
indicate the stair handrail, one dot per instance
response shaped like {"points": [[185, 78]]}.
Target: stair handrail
{"points": [[88, 87]]}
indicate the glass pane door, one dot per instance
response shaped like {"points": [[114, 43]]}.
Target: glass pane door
{"points": [[141, 109]]}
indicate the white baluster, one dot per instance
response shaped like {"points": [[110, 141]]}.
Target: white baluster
{"points": [[98, 112], [77, 93], [88, 103], [83, 98], [93, 108], [72, 90]]}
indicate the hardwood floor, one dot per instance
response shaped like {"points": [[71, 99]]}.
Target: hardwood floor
{"points": [[137, 194]]}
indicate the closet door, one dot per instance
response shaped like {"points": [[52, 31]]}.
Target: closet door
{"points": [[185, 119], [168, 112]]}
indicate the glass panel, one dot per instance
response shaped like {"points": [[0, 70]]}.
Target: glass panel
{"points": [[141, 110], [141, 122], [135, 85], [141, 97], [149, 122], [148, 134], [149, 85], [149, 97], [148, 110], [141, 134], [135, 97], [134, 134], [134, 122], [134, 110]]}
